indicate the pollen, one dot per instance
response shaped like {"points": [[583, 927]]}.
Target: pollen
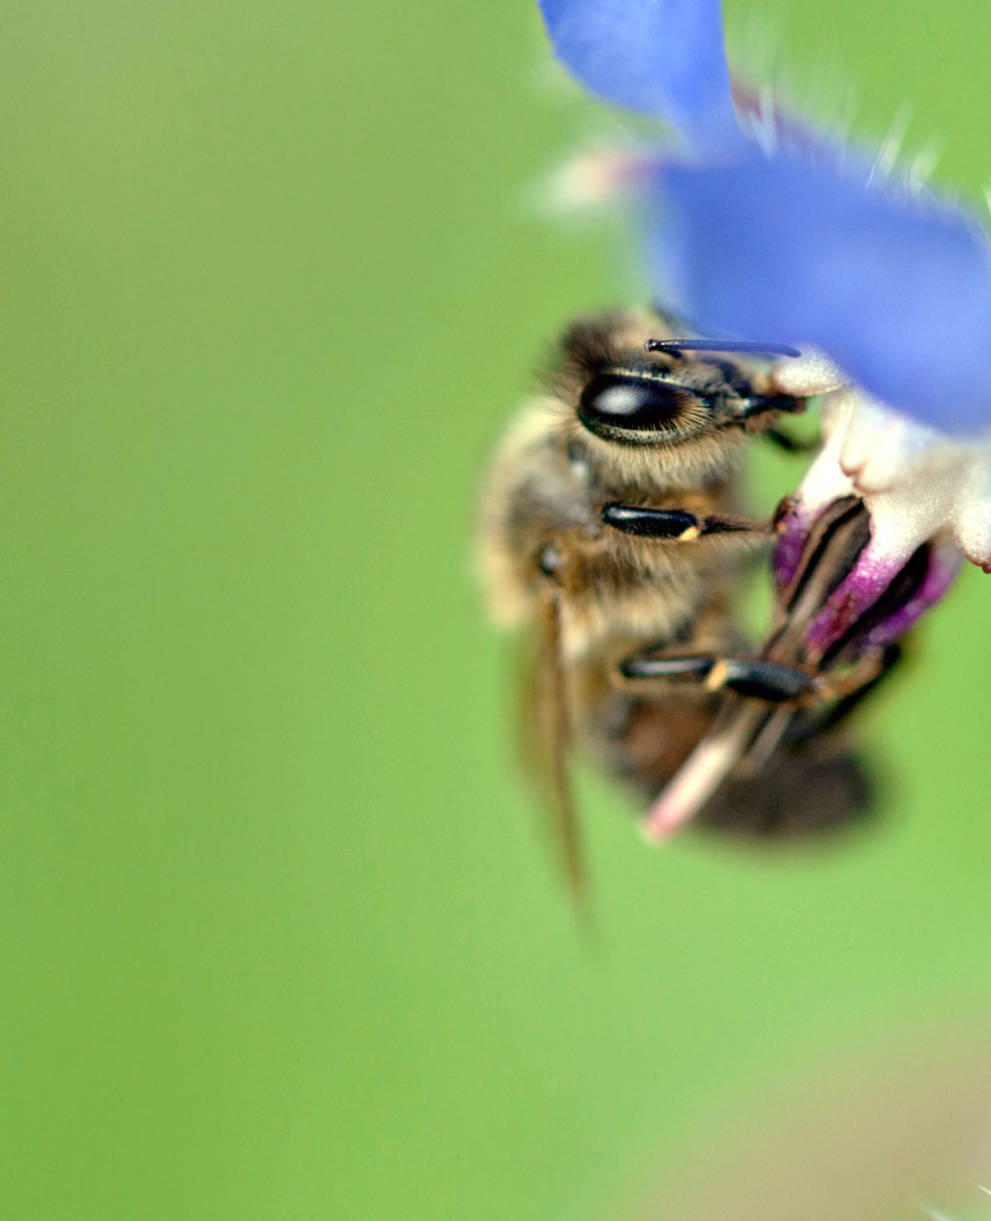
{"points": [[717, 676]]}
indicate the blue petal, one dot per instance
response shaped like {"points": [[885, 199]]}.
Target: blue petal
{"points": [[661, 57], [897, 290]]}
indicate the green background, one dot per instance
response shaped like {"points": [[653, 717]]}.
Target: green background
{"points": [[279, 938]]}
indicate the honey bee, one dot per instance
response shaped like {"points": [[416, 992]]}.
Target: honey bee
{"points": [[611, 526]]}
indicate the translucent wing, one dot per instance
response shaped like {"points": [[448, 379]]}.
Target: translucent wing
{"points": [[545, 741]]}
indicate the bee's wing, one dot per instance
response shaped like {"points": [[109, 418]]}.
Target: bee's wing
{"points": [[545, 740]]}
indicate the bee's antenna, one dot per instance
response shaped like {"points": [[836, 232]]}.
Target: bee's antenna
{"points": [[720, 345]]}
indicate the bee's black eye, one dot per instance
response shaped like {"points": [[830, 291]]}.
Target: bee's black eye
{"points": [[616, 403]]}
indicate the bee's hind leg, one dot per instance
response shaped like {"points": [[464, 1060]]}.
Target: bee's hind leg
{"points": [[770, 682], [780, 728]]}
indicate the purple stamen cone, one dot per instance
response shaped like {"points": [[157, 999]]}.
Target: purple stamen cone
{"points": [[872, 576]]}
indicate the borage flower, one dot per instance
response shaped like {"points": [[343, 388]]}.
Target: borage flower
{"points": [[760, 228]]}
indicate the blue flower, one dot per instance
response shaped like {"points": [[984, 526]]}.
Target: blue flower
{"points": [[801, 243], [660, 57]]}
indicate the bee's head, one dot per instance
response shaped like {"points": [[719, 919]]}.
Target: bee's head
{"points": [[637, 391]]}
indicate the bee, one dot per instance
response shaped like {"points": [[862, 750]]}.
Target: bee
{"points": [[611, 527]]}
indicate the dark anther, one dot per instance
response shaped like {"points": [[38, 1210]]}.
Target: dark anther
{"points": [[843, 531], [675, 346], [786, 506]]}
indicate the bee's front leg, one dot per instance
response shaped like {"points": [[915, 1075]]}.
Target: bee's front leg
{"points": [[677, 525]]}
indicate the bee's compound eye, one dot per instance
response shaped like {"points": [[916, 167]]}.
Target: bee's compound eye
{"points": [[615, 403]]}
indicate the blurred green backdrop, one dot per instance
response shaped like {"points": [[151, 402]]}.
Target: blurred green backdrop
{"points": [[279, 937]]}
